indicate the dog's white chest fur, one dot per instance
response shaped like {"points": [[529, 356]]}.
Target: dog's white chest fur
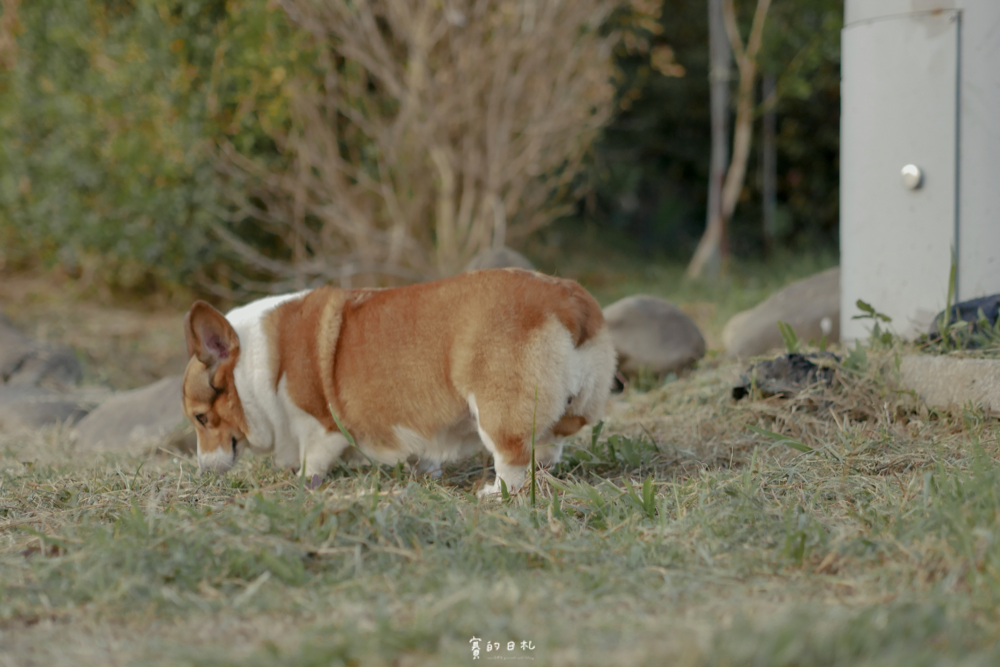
{"points": [[269, 418]]}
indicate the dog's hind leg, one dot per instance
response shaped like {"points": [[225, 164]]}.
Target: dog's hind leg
{"points": [[508, 444]]}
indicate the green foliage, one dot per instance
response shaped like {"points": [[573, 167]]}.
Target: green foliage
{"points": [[960, 334], [94, 148], [603, 506], [788, 335], [869, 313], [650, 173], [533, 489], [617, 452], [804, 534], [981, 336], [111, 114], [801, 50], [109, 119], [644, 500], [944, 319], [857, 358], [778, 439], [645, 380]]}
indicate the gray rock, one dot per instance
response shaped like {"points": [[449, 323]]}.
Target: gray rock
{"points": [[810, 306], [27, 407], [787, 375], [498, 258], [968, 311], [137, 420], [24, 361], [942, 382], [653, 334]]}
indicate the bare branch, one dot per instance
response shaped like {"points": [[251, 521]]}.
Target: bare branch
{"points": [[440, 130]]}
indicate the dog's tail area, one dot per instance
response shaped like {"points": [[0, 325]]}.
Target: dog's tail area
{"points": [[595, 357], [580, 314], [589, 366]]}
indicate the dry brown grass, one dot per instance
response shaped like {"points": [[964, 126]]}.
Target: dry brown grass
{"points": [[878, 545], [696, 413]]}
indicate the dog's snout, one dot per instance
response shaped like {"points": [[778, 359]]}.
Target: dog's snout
{"points": [[220, 459]]}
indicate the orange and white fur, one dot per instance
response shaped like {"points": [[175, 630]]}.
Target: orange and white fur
{"points": [[429, 372]]}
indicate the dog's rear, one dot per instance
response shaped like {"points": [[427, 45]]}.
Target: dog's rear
{"points": [[546, 387]]}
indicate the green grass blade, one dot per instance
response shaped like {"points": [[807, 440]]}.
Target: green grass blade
{"points": [[779, 439], [788, 335]]}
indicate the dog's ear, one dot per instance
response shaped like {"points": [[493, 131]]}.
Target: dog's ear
{"points": [[209, 335]]}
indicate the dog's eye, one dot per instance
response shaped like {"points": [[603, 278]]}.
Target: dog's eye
{"points": [[202, 419]]}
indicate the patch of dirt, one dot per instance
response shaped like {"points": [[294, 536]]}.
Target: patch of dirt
{"points": [[120, 347]]}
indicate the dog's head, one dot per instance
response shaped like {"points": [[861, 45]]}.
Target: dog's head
{"points": [[209, 389]]}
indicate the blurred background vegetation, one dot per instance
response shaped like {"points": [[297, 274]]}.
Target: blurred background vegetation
{"points": [[116, 117], [649, 176]]}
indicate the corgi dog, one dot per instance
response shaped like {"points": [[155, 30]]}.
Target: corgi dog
{"points": [[426, 373]]}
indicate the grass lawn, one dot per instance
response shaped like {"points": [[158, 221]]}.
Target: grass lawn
{"points": [[848, 525]]}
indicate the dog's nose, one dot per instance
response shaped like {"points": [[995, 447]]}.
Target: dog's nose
{"points": [[219, 460]]}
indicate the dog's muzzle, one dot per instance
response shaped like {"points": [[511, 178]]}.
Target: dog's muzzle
{"points": [[221, 459]]}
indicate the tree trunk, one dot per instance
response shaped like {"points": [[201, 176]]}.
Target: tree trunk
{"points": [[768, 164], [712, 244], [719, 74]]}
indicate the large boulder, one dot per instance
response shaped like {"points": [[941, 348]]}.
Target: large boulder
{"points": [[24, 361], [943, 382], [653, 334], [24, 365], [810, 306], [498, 258], [28, 407], [137, 420]]}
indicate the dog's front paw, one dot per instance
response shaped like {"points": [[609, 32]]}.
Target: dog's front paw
{"points": [[513, 477], [494, 491], [489, 491]]}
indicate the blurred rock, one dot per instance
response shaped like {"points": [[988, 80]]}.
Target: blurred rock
{"points": [[28, 407], [498, 258], [653, 334], [968, 311], [24, 361], [810, 306], [137, 420], [786, 375], [942, 382]]}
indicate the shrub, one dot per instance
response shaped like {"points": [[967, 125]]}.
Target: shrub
{"points": [[431, 132], [169, 140], [102, 138]]}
